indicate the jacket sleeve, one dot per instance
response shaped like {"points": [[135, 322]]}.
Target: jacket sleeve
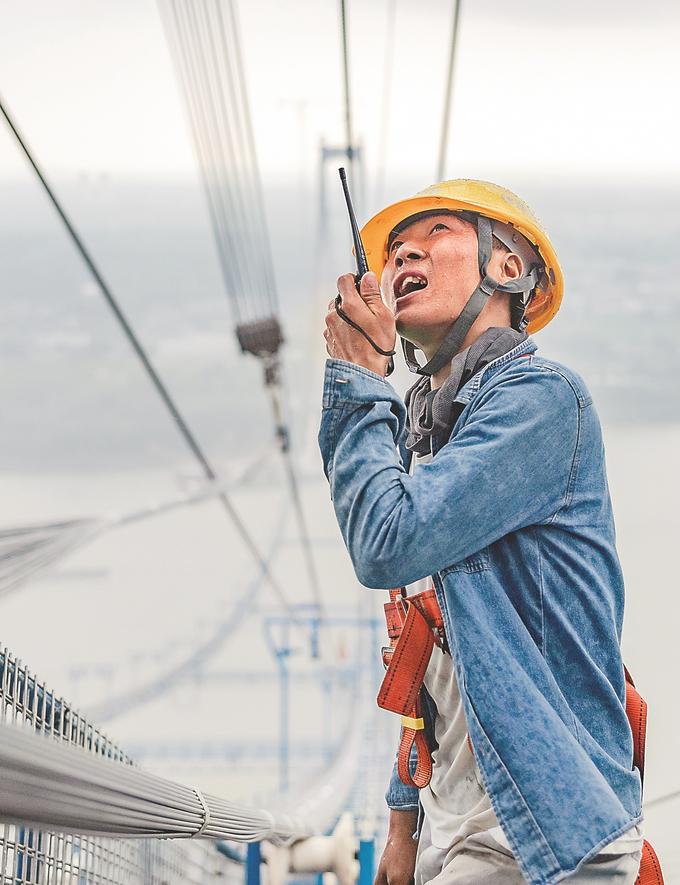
{"points": [[506, 468], [399, 797]]}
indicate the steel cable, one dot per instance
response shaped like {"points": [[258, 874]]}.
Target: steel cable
{"points": [[181, 424], [203, 39], [207, 152], [204, 45], [218, 137], [29, 550], [53, 786], [116, 706]]}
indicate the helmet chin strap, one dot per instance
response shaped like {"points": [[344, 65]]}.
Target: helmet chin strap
{"points": [[475, 305]]}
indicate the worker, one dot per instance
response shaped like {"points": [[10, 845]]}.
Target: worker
{"points": [[488, 480]]}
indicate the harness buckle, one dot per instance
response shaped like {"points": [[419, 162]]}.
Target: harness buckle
{"points": [[415, 724]]}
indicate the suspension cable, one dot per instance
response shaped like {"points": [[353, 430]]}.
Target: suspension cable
{"points": [[181, 424], [444, 141], [205, 48], [203, 40], [275, 394], [115, 706]]}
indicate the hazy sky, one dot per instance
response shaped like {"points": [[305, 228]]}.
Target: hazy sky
{"points": [[541, 87]]}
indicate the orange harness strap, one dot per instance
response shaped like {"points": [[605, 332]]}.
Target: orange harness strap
{"points": [[636, 711], [411, 644], [414, 626], [650, 868]]}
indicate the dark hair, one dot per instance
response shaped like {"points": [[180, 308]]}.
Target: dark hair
{"points": [[497, 245]]}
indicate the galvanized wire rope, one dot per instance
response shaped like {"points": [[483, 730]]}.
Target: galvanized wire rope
{"points": [[253, 171], [27, 551], [53, 786], [289, 466], [205, 47], [214, 142], [90, 787]]}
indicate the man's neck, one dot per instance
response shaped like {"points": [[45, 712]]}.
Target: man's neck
{"points": [[440, 377], [475, 332]]}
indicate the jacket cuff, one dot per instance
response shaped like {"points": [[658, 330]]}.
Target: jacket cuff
{"points": [[399, 797], [348, 383]]}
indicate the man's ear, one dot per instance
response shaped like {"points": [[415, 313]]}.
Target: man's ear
{"points": [[511, 266]]}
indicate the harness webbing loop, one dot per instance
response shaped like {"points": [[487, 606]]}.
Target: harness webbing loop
{"points": [[402, 683], [650, 868], [636, 711]]}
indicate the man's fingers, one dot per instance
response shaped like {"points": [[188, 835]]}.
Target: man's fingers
{"points": [[370, 291], [347, 288], [381, 877], [367, 313]]}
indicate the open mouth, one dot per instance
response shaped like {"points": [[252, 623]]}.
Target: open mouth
{"points": [[410, 283]]}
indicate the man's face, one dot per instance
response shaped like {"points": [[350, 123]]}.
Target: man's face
{"points": [[431, 271]]}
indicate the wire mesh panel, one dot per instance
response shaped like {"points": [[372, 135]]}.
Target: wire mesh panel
{"points": [[30, 856], [41, 858]]}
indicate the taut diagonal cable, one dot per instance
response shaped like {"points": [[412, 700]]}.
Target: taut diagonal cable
{"points": [[151, 372]]}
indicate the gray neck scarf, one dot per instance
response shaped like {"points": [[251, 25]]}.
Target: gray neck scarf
{"points": [[433, 413]]}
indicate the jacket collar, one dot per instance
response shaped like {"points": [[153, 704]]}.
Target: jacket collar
{"points": [[470, 390]]}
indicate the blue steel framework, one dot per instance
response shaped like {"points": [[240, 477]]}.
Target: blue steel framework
{"points": [[282, 651]]}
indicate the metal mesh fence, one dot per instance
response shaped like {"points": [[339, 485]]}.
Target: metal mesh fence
{"points": [[41, 858]]}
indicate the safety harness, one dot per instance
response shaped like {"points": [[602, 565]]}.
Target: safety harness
{"points": [[414, 626]]}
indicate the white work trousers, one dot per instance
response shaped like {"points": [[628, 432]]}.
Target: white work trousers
{"points": [[480, 860]]}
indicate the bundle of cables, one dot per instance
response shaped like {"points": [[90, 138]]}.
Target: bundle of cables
{"points": [[57, 787]]}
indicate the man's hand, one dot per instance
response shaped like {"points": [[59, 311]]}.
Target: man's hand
{"points": [[368, 311], [398, 861]]}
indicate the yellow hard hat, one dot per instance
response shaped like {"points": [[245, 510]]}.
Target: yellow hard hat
{"points": [[482, 198]]}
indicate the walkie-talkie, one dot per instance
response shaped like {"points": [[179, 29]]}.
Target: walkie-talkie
{"points": [[359, 251], [362, 269]]}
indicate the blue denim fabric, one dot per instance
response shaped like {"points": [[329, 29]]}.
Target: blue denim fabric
{"points": [[513, 520]]}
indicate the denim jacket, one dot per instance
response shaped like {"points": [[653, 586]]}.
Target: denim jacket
{"points": [[513, 520]]}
